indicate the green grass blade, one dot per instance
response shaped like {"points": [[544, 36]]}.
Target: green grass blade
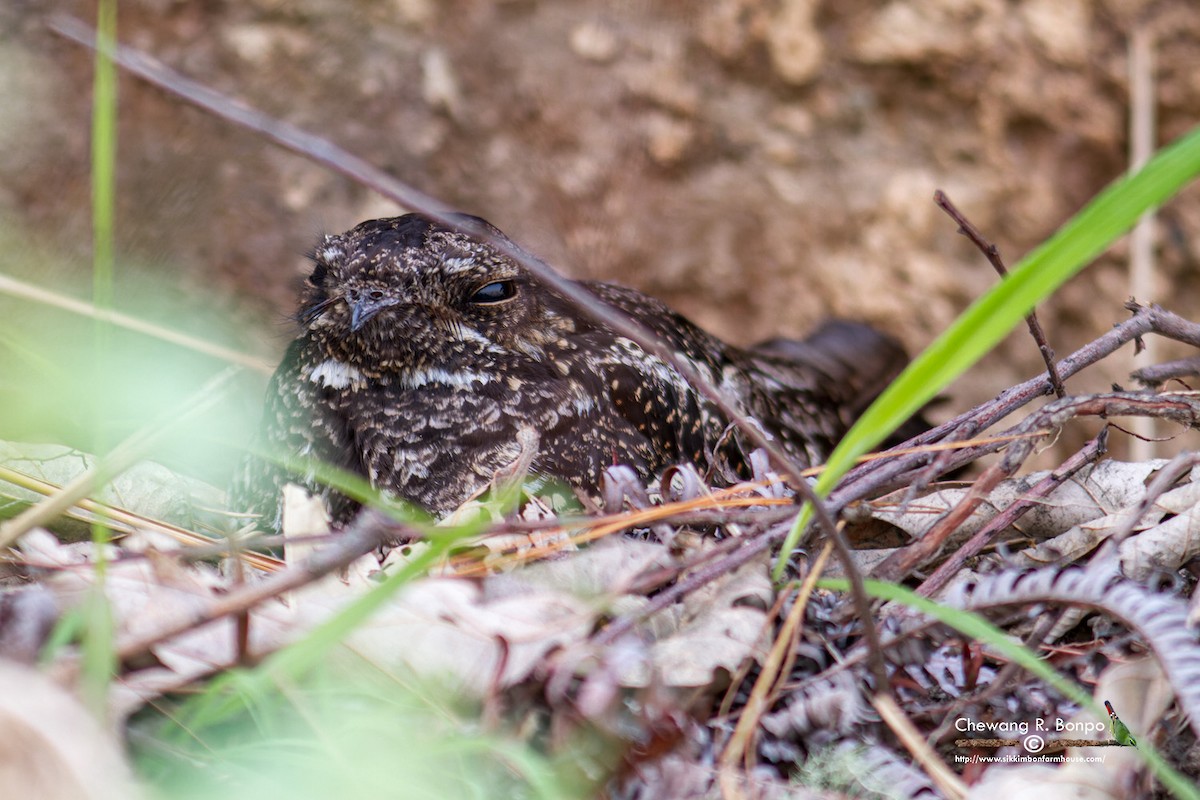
{"points": [[99, 661], [104, 154], [1109, 215], [1113, 212], [234, 690]]}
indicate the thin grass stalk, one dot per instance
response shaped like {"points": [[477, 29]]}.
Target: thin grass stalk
{"points": [[99, 659]]}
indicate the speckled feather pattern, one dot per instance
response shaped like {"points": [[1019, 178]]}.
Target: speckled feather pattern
{"points": [[424, 352]]}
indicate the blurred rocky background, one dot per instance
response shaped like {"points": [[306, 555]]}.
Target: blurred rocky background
{"points": [[759, 164]]}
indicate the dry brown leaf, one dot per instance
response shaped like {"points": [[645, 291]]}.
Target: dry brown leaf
{"points": [[499, 629], [607, 567], [1165, 547], [144, 598], [1105, 489], [717, 627], [51, 748], [445, 628], [1156, 546]]}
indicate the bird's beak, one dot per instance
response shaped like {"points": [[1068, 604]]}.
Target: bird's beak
{"points": [[363, 309]]}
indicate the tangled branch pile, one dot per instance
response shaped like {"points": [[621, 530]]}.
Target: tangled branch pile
{"points": [[670, 652]]}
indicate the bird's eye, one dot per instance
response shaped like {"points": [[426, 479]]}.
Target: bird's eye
{"points": [[495, 292]]}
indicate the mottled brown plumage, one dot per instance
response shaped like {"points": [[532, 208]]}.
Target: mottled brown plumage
{"points": [[424, 352]]}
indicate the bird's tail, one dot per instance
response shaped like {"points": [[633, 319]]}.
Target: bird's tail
{"points": [[855, 361]]}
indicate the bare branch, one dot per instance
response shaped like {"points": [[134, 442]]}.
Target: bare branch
{"points": [[992, 253], [1093, 450], [1158, 374], [369, 530], [868, 479]]}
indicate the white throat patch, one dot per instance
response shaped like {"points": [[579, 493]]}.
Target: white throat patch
{"points": [[423, 377], [336, 374]]}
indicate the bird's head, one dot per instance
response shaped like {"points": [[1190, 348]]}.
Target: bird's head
{"points": [[406, 292]]}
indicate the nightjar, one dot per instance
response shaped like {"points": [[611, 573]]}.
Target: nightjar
{"points": [[425, 353]]}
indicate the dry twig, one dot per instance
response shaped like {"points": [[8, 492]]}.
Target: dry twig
{"points": [[992, 253], [368, 531], [1090, 452]]}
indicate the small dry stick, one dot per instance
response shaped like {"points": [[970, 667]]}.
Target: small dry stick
{"points": [[366, 532], [774, 667], [27, 291], [973, 546], [1157, 374], [868, 478], [1179, 408], [950, 784], [747, 550], [992, 253], [899, 564], [198, 545], [1142, 135]]}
